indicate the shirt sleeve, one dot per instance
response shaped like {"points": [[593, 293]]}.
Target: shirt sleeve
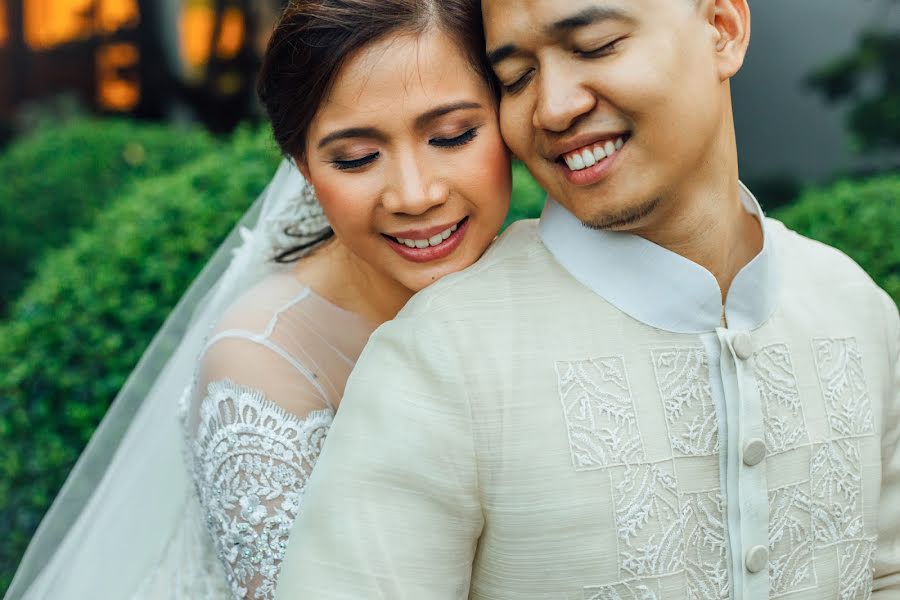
{"points": [[887, 557], [392, 509]]}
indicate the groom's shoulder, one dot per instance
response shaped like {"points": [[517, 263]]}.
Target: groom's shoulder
{"points": [[514, 264], [814, 270]]}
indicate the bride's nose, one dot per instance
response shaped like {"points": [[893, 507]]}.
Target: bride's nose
{"points": [[416, 188]]}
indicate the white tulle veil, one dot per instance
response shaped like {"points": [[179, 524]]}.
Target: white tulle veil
{"points": [[114, 520]]}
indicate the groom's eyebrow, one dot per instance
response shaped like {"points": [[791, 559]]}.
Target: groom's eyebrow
{"points": [[583, 18], [588, 16]]}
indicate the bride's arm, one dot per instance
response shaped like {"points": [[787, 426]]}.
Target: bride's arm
{"points": [[393, 509], [259, 422]]}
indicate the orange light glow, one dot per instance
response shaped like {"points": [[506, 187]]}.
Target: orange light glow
{"points": [[113, 15], [196, 29], [113, 91], [49, 23], [4, 28]]}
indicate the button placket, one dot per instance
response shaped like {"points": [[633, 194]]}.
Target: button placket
{"points": [[748, 479]]}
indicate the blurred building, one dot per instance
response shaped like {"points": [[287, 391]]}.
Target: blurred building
{"points": [[159, 58], [146, 58], [785, 127]]}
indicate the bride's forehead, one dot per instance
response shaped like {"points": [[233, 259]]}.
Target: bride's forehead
{"points": [[401, 73]]}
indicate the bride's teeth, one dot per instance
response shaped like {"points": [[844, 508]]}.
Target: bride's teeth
{"points": [[454, 228], [610, 148], [599, 153], [410, 243], [446, 234], [588, 157], [435, 240], [619, 143], [422, 244]]}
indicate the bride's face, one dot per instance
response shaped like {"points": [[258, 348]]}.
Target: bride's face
{"points": [[406, 157]]}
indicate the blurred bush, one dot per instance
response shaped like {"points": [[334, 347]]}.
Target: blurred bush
{"points": [[83, 322], [861, 218], [527, 196], [58, 179]]}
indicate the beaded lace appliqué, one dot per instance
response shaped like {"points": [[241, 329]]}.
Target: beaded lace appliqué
{"points": [[251, 461]]}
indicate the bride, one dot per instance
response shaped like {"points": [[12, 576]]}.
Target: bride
{"points": [[388, 110]]}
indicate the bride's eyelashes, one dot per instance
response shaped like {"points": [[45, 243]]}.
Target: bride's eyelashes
{"points": [[454, 142], [347, 165], [438, 142]]}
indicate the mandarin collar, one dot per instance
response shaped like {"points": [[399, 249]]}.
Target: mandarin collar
{"points": [[657, 286]]}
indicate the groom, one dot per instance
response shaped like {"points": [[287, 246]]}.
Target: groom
{"points": [[655, 392]]}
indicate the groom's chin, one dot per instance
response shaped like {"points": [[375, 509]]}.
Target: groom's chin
{"points": [[621, 219]]}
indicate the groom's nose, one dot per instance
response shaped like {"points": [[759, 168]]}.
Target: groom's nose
{"points": [[561, 99]]}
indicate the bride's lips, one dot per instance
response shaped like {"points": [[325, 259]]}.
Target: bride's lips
{"points": [[431, 253]]}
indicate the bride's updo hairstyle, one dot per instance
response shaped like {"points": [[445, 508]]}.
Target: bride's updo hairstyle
{"points": [[314, 38]]}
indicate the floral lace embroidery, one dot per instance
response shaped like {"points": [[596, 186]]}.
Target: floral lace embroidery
{"points": [[790, 540], [836, 489], [839, 364], [649, 521], [706, 562], [857, 567], [251, 463], [645, 590], [682, 375], [782, 412], [599, 413]]}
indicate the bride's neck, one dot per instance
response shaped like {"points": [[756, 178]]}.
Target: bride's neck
{"points": [[349, 282]]}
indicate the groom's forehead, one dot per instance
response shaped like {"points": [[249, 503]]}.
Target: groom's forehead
{"points": [[506, 18]]}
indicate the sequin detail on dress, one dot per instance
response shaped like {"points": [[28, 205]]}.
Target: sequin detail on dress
{"points": [[251, 462]]}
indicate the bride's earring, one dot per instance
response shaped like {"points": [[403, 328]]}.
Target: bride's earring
{"points": [[310, 218]]}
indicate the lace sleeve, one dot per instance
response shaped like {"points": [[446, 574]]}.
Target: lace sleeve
{"points": [[251, 463]]}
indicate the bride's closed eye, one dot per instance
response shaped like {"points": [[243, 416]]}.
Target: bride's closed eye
{"points": [[455, 141]]}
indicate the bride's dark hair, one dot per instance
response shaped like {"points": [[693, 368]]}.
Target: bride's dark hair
{"points": [[314, 38]]}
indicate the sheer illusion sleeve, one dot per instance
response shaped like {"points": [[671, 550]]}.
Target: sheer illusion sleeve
{"points": [[261, 423], [887, 558]]}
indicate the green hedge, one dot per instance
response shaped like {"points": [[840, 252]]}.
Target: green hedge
{"points": [[861, 218], [58, 179], [92, 308]]}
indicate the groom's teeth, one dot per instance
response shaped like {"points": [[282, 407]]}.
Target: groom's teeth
{"points": [[434, 240], [588, 157]]}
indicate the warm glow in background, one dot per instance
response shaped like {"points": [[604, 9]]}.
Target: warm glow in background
{"points": [[4, 32], [52, 23]]}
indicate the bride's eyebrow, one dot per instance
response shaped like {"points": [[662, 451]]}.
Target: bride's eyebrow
{"points": [[352, 132], [426, 118]]}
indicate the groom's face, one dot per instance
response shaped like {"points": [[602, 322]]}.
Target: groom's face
{"points": [[612, 104]]}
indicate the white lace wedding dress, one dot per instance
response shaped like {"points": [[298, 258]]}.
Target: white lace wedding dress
{"points": [[269, 379]]}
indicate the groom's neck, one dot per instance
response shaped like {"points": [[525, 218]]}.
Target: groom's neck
{"points": [[706, 222]]}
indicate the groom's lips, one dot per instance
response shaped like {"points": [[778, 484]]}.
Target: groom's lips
{"points": [[598, 171]]}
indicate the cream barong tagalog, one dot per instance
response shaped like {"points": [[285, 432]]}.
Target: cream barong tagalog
{"points": [[577, 417]]}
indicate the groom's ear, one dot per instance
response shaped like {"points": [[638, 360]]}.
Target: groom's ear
{"points": [[729, 21]]}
